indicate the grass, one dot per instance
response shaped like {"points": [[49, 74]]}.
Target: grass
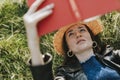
{"points": [[111, 32]]}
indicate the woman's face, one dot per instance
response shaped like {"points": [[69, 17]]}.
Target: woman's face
{"points": [[78, 38]]}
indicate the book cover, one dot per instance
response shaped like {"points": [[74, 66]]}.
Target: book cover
{"points": [[68, 11]]}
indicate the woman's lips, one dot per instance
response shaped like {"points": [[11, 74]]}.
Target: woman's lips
{"points": [[80, 41]]}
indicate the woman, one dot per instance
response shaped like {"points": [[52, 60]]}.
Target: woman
{"points": [[77, 42]]}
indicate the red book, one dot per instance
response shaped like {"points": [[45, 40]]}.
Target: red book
{"points": [[68, 11]]}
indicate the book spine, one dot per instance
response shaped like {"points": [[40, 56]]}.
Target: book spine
{"points": [[75, 9]]}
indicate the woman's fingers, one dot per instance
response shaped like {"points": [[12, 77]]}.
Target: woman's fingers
{"points": [[42, 15], [48, 7], [34, 6], [32, 17]]}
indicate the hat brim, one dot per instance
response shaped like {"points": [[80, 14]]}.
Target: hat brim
{"points": [[95, 26]]}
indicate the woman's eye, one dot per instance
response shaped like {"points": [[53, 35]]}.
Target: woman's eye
{"points": [[70, 34], [82, 30]]}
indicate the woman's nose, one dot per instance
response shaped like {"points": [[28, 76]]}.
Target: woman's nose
{"points": [[78, 34]]}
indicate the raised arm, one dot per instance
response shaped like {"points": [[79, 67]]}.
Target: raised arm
{"points": [[31, 18]]}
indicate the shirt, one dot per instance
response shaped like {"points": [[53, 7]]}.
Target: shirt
{"points": [[94, 70]]}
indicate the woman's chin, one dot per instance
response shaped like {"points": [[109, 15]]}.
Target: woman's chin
{"points": [[83, 47]]}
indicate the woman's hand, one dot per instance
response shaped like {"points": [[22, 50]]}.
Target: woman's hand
{"points": [[31, 18]]}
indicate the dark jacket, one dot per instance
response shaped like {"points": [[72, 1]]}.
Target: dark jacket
{"points": [[74, 71], [66, 72]]}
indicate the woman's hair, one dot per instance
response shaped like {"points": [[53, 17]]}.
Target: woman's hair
{"points": [[98, 49]]}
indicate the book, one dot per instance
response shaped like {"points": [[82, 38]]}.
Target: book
{"points": [[68, 11]]}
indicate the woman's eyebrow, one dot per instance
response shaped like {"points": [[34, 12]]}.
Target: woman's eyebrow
{"points": [[80, 27], [70, 31]]}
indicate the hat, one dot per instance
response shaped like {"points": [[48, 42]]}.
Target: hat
{"points": [[95, 26]]}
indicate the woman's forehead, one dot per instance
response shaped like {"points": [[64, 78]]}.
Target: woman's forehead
{"points": [[75, 26]]}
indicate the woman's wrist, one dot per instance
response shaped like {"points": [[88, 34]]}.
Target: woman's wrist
{"points": [[34, 47]]}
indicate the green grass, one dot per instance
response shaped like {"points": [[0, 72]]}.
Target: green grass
{"points": [[111, 32], [14, 52]]}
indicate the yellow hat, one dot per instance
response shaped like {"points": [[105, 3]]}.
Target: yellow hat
{"points": [[95, 26]]}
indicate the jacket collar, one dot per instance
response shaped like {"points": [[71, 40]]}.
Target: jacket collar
{"points": [[75, 66], [107, 51]]}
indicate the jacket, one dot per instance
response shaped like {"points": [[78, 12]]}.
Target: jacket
{"points": [[73, 72], [65, 72]]}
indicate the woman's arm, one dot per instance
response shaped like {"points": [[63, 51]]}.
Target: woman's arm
{"points": [[38, 67], [31, 18]]}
